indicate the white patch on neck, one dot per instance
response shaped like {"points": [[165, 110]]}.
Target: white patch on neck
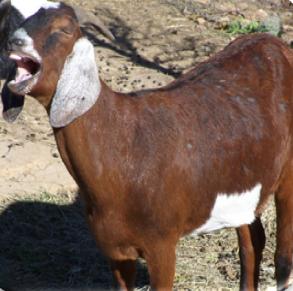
{"points": [[30, 7], [28, 47], [232, 210]]}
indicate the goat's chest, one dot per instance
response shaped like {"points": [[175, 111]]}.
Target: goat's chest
{"points": [[231, 210]]}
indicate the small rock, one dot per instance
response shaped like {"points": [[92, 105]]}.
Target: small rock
{"points": [[222, 22], [261, 14], [201, 20], [225, 19]]}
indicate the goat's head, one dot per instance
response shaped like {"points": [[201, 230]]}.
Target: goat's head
{"points": [[55, 64], [40, 47]]}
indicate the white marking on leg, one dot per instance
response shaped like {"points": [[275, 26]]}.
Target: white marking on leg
{"points": [[30, 7], [232, 210]]}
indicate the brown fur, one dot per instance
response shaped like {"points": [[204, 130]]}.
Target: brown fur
{"points": [[150, 164]]}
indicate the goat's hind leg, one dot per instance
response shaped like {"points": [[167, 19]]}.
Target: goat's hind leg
{"points": [[251, 240], [124, 273], [284, 251], [160, 259]]}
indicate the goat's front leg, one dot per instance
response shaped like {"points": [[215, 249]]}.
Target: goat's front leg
{"points": [[161, 266], [284, 251], [251, 240], [124, 274]]}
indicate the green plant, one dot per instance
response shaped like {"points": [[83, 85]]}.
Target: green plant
{"points": [[239, 27]]}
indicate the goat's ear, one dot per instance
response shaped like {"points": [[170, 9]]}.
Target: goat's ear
{"points": [[5, 6], [12, 103], [78, 87]]}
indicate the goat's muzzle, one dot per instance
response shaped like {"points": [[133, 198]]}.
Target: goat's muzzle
{"points": [[28, 62], [27, 73]]}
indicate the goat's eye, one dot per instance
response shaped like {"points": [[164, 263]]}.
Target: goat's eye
{"points": [[66, 31]]}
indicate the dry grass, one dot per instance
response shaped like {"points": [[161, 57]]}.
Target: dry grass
{"points": [[45, 245]]}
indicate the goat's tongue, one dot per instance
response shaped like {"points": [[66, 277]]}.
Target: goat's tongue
{"points": [[22, 74], [26, 67]]}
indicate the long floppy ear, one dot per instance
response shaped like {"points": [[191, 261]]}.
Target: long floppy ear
{"points": [[78, 87], [12, 103]]}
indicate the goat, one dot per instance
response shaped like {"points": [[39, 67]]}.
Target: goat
{"points": [[12, 14], [202, 153]]}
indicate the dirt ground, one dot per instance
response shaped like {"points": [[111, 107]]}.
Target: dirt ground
{"points": [[156, 40]]}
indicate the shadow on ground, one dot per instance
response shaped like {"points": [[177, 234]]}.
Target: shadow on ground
{"points": [[46, 246], [123, 44]]}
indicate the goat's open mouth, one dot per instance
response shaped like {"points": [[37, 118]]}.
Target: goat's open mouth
{"points": [[27, 73]]}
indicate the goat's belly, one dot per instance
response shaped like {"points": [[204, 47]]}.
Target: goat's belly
{"points": [[232, 210]]}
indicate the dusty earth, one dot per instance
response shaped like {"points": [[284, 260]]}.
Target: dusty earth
{"points": [[156, 40]]}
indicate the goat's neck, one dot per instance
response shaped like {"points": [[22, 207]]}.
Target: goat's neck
{"points": [[83, 139]]}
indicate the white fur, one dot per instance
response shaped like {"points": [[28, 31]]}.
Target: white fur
{"points": [[78, 87], [232, 210], [28, 47], [30, 7]]}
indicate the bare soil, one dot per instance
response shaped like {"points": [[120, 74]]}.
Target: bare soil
{"points": [[44, 241]]}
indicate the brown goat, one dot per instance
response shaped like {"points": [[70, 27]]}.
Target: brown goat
{"points": [[203, 153]]}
